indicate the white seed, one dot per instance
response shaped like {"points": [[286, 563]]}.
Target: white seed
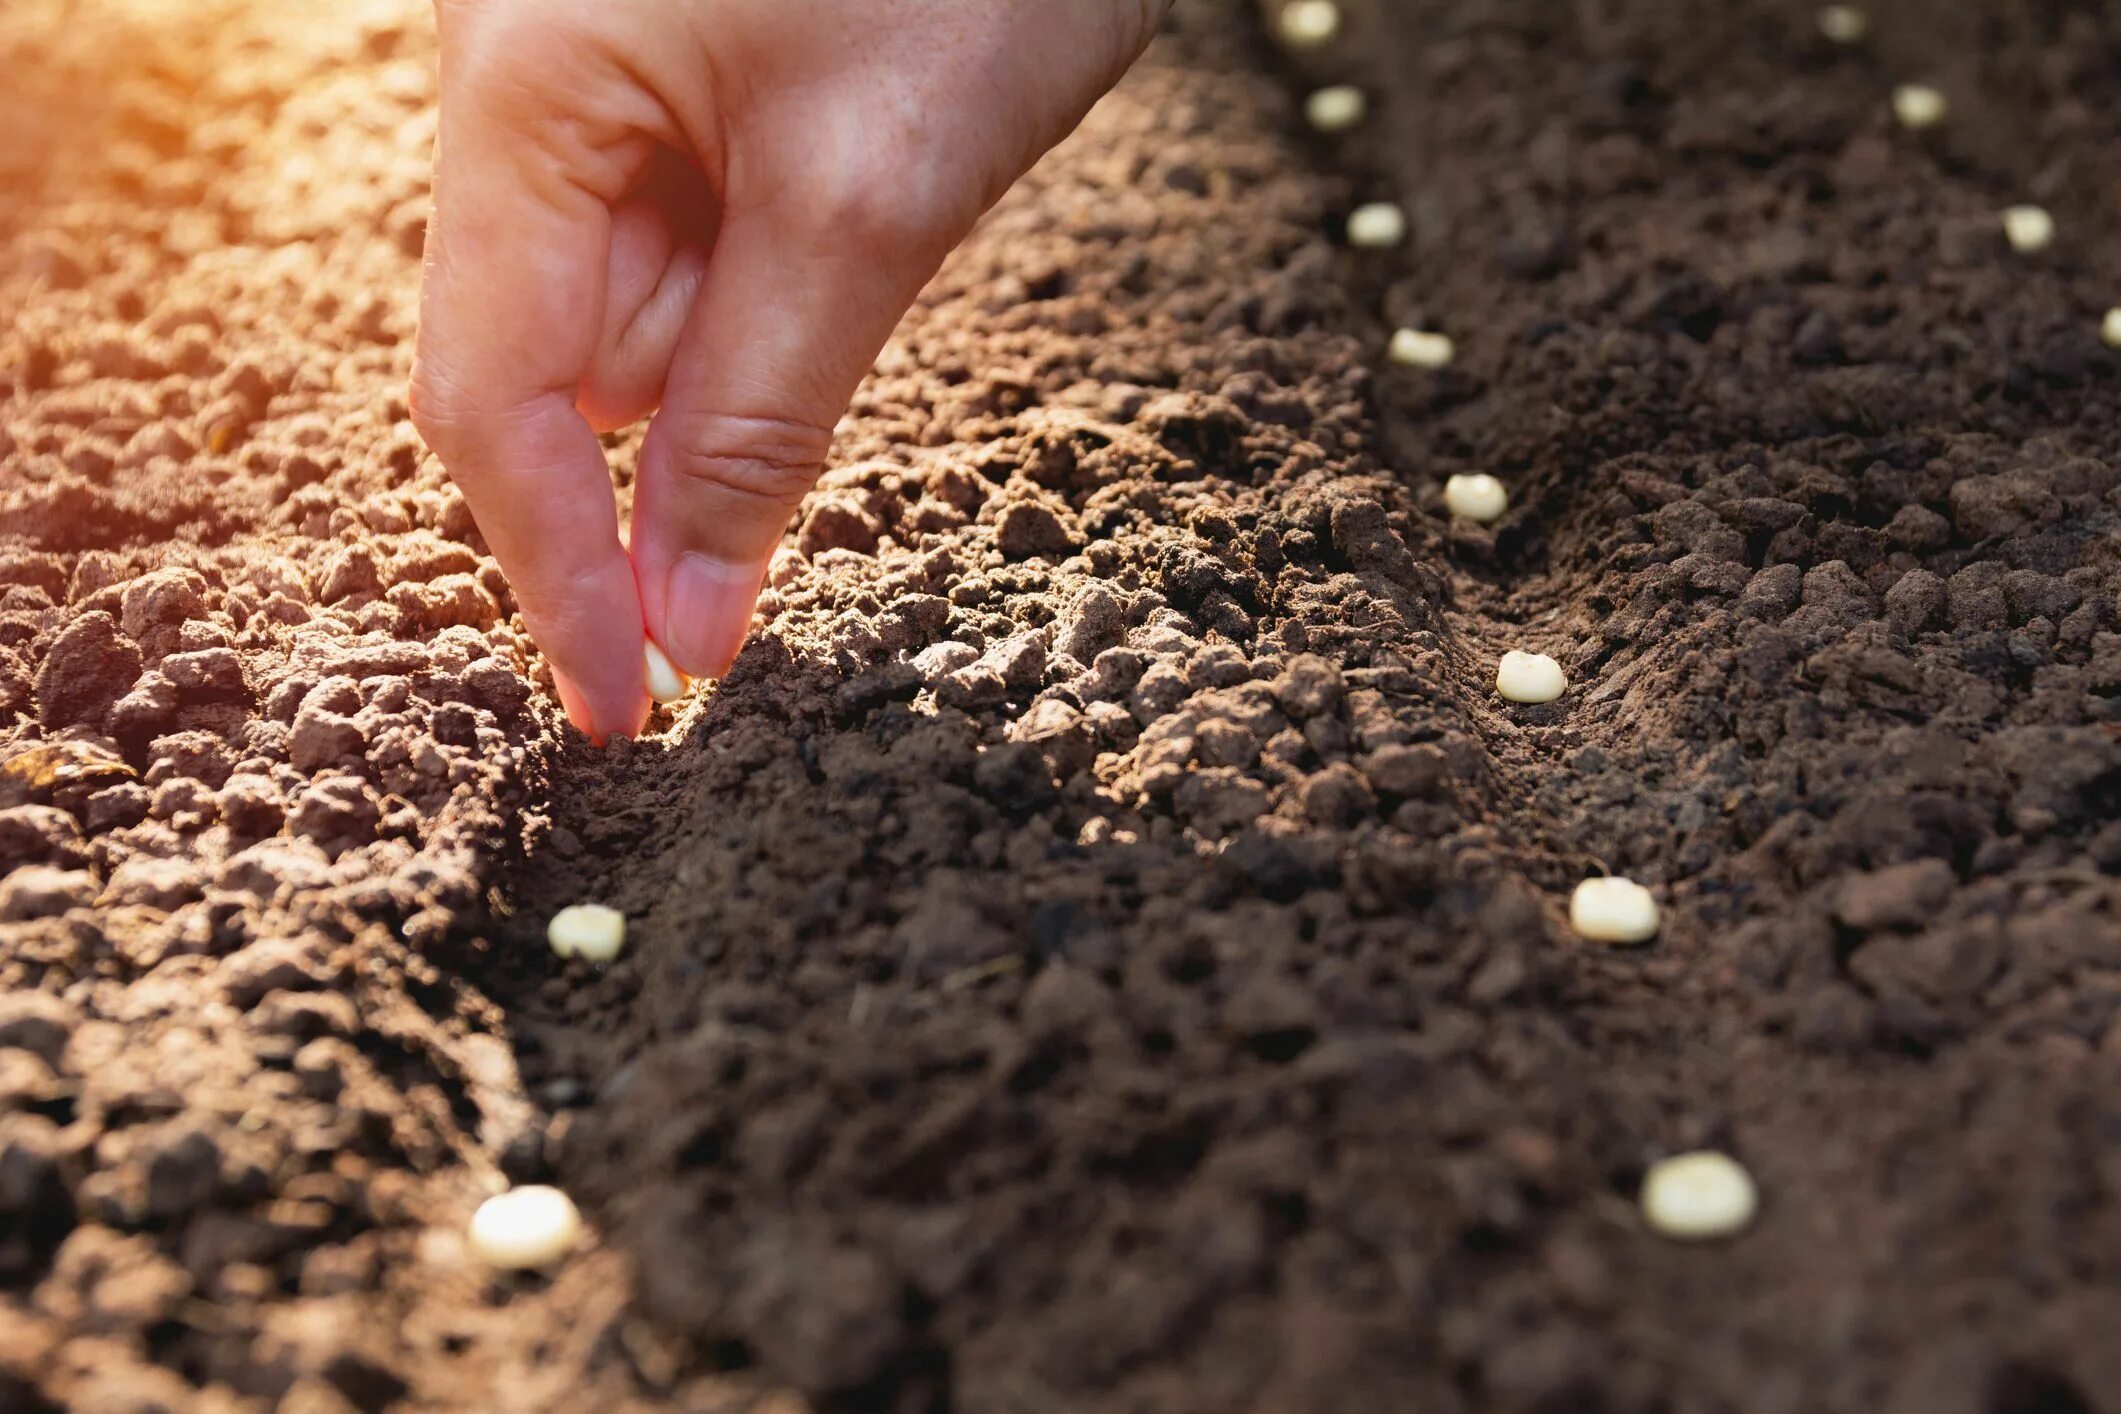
{"points": [[1843, 24], [1421, 348], [2110, 328], [587, 930], [1335, 109], [1479, 497], [1307, 23], [1917, 105], [1377, 224], [665, 683], [1613, 911], [531, 1226], [1530, 677], [2029, 229], [1698, 1196]]}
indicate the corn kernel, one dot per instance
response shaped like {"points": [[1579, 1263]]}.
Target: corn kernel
{"points": [[1699, 1196], [1479, 497], [1844, 24], [2029, 229], [1420, 348], [2110, 328], [1335, 109], [665, 683], [1308, 23], [531, 1226], [1917, 105], [1529, 677], [1613, 911], [1376, 225], [587, 930]]}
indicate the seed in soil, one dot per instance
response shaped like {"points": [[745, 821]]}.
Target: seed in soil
{"points": [[1844, 24], [531, 1226], [1478, 497], [1376, 225], [1420, 348], [665, 683], [1306, 24], [590, 931], [2029, 229], [1335, 109], [1613, 911], [2110, 328], [1918, 106], [1698, 1197], [1530, 677]]}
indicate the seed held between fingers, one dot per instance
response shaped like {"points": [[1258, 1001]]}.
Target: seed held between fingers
{"points": [[531, 1226], [1305, 24], [1420, 348], [2029, 229], [589, 931], [1918, 106], [1613, 911], [1478, 497], [665, 683], [1529, 677], [1335, 109], [1376, 225], [1699, 1196]]}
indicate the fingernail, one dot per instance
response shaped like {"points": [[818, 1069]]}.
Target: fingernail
{"points": [[707, 611], [665, 683], [577, 706]]}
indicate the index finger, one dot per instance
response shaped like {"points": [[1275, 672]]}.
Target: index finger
{"points": [[511, 303]]}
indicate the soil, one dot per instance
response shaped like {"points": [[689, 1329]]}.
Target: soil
{"points": [[1103, 945]]}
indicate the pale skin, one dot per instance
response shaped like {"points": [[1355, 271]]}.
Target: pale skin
{"points": [[715, 212]]}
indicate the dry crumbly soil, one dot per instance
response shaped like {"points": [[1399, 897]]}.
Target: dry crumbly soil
{"points": [[1102, 947]]}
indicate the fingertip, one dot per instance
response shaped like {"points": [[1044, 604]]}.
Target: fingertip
{"points": [[600, 721]]}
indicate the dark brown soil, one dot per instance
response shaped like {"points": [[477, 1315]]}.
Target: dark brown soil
{"points": [[1103, 945]]}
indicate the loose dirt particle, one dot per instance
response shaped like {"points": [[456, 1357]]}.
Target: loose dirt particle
{"points": [[1306, 24], [1529, 677], [1613, 910], [1699, 1196], [1918, 106], [591, 931], [1477, 497], [531, 1226], [1376, 225], [1335, 109], [665, 683], [2029, 229], [1420, 348]]}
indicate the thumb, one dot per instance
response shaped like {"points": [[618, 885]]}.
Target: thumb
{"points": [[783, 330]]}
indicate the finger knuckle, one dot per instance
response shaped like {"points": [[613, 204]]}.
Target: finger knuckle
{"points": [[774, 459]]}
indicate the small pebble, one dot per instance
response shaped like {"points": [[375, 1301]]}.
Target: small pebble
{"points": [[1698, 1196], [665, 683], [1308, 23], [1376, 225], [1530, 677], [1917, 105], [1844, 24], [1613, 911], [2029, 229], [587, 930], [1335, 109], [1479, 497], [1422, 349], [531, 1226], [2110, 328]]}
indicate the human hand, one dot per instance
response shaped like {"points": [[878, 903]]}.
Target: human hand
{"points": [[718, 208]]}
